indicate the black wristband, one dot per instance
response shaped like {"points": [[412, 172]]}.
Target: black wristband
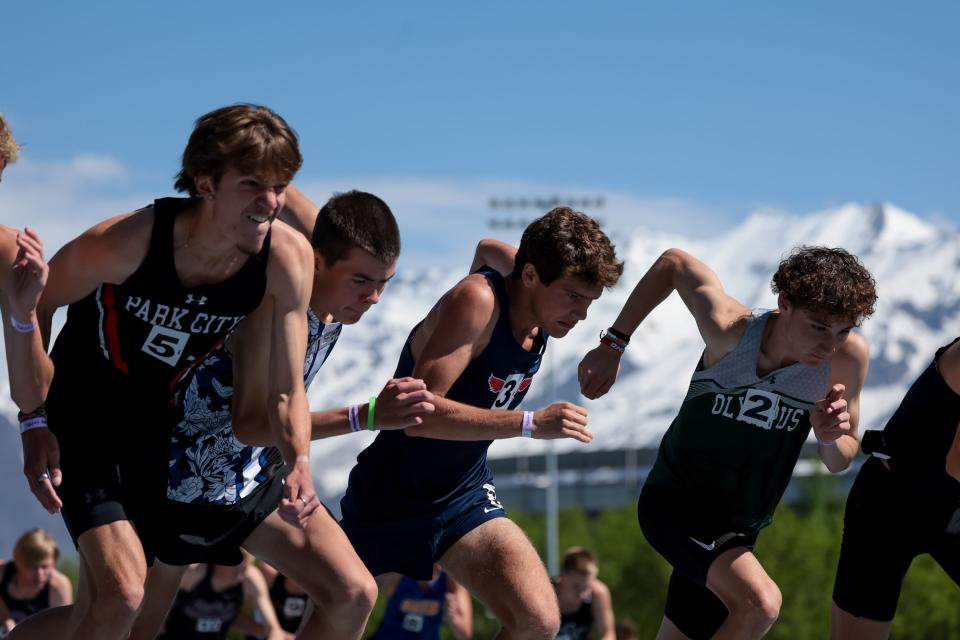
{"points": [[39, 412], [618, 334]]}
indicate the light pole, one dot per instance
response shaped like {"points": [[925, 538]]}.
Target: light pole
{"points": [[552, 484]]}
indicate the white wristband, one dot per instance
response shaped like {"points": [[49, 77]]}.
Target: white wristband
{"points": [[526, 430], [353, 415], [21, 327], [38, 422], [827, 443]]}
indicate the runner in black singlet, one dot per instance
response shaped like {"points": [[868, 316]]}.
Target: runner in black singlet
{"points": [[586, 609], [30, 583], [150, 294], [904, 502], [213, 598]]}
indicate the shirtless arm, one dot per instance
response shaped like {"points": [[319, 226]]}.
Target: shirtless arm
{"points": [[109, 252], [289, 274], [29, 367], [299, 211], [458, 610], [603, 619], [835, 419], [467, 315], [256, 595], [495, 254], [61, 590], [718, 316], [400, 404], [949, 367]]}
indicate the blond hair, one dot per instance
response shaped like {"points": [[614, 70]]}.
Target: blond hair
{"points": [[34, 547], [9, 149], [579, 560]]}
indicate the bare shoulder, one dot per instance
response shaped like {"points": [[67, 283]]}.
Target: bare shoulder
{"points": [[471, 301], [467, 313], [254, 578], [949, 366], [126, 236], [60, 582], [854, 352], [287, 243], [8, 244]]}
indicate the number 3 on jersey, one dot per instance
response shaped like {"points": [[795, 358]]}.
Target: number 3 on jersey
{"points": [[507, 388], [166, 344]]}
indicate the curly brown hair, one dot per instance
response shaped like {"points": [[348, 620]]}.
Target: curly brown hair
{"points": [[247, 137], [568, 242], [827, 280], [9, 149]]}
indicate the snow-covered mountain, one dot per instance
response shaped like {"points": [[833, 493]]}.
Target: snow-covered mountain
{"points": [[919, 309], [913, 262]]}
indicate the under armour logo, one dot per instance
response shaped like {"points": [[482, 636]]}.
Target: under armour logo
{"points": [[202, 300], [99, 494]]}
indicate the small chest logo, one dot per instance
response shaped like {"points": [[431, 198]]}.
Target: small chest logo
{"points": [[507, 388], [202, 300]]}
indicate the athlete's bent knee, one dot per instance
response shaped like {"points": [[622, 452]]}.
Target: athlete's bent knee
{"points": [[540, 623], [117, 601], [760, 609], [354, 599]]}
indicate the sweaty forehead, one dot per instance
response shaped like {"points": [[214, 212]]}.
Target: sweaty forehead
{"points": [[579, 285], [827, 320]]}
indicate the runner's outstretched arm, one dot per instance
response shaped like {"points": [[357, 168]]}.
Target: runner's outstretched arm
{"points": [[299, 211], [495, 254], [28, 365], [289, 279], [835, 420], [716, 313], [604, 625], [949, 366], [464, 322], [458, 609]]}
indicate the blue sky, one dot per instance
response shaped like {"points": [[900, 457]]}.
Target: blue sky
{"points": [[687, 116]]}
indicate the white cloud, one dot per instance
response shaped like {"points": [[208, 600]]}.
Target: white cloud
{"points": [[62, 199]]}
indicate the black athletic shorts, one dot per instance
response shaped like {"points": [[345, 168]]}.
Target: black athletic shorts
{"points": [[180, 533], [888, 522], [679, 534], [108, 435]]}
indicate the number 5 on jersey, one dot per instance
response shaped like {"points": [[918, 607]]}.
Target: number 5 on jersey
{"points": [[166, 344]]}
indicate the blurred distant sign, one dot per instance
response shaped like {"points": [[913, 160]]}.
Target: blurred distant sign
{"points": [[544, 204], [541, 204]]}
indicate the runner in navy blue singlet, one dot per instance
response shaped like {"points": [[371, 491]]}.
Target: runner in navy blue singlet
{"points": [[426, 494], [416, 610], [151, 293]]}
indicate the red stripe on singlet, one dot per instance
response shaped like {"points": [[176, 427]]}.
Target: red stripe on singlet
{"points": [[183, 372], [113, 334]]}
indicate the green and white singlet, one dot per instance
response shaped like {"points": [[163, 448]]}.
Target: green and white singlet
{"points": [[732, 447]]}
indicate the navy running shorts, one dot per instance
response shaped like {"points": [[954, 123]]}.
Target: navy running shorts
{"points": [[411, 545]]}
